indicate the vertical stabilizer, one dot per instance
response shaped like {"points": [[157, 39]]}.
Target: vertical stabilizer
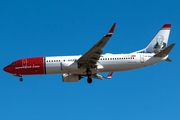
{"points": [[159, 42]]}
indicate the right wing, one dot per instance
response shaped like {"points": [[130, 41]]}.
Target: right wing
{"points": [[91, 57]]}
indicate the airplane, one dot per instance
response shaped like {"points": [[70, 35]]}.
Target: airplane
{"points": [[73, 68]]}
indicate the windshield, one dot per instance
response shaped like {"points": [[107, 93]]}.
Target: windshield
{"points": [[13, 63]]}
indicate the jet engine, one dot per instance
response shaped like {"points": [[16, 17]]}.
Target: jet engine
{"points": [[70, 78]]}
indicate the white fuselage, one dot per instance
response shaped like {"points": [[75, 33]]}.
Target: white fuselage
{"points": [[106, 63]]}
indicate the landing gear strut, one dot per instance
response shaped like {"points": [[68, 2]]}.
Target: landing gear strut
{"points": [[89, 73]]}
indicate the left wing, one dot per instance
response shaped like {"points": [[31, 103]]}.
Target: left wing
{"points": [[97, 76], [91, 57]]}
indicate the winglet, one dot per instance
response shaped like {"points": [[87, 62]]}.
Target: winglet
{"points": [[112, 29], [110, 75], [166, 26], [165, 52]]}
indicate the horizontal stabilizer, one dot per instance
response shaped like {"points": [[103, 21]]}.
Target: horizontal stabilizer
{"points": [[165, 52], [168, 60]]}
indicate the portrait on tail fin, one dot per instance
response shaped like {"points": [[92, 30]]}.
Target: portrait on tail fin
{"points": [[160, 44]]}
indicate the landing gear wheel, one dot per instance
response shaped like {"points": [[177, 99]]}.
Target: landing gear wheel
{"points": [[89, 80], [21, 79]]}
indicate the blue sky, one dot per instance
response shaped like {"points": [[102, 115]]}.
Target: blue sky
{"points": [[34, 28]]}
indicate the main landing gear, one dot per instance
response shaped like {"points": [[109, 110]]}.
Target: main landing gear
{"points": [[89, 73], [89, 80]]}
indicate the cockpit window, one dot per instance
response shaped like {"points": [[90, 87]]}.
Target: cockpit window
{"points": [[13, 63]]}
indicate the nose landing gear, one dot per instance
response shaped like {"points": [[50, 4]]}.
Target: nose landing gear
{"points": [[19, 75], [20, 79]]}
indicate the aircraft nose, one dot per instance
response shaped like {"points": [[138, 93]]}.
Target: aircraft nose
{"points": [[7, 69]]}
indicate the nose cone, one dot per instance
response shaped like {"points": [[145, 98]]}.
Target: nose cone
{"points": [[7, 69]]}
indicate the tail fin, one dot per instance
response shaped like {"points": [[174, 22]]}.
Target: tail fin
{"points": [[159, 42]]}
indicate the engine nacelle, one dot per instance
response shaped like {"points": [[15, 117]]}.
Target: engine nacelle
{"points": [[70, 78], [69, 66]]}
